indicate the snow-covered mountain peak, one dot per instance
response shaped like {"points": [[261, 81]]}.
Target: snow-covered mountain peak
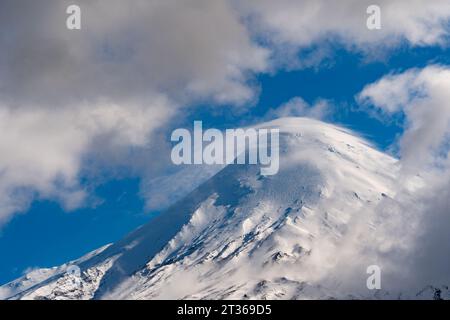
{"points": [[240, 234]]}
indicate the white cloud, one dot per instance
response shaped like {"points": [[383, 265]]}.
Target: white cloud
{"points": [[300, 24], [190, 50], [407, 235], [423, 96], [67, 96], [297, 107], [42, 150]]}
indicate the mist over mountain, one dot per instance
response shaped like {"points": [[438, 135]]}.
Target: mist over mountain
{"points": [[308, 232]]}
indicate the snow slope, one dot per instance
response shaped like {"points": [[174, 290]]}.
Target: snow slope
{"points": [[242, 235]]}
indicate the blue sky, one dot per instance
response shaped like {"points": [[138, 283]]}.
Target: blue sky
{"points": [[47, 235]]}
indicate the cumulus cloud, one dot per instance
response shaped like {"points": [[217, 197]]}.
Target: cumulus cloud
{"points": [[294, 25], [189, 50], [423, 96], [42, 152], [297, 107]]}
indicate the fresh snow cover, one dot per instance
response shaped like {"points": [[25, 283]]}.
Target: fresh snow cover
{"points": [[241, 235]]}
